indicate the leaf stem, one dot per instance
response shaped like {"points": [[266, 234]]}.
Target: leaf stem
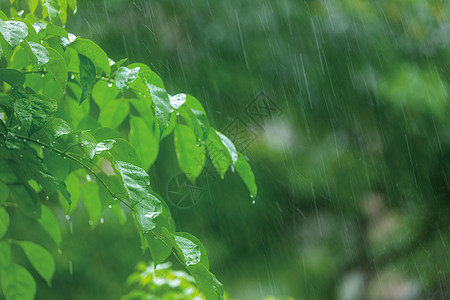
{"points": [[85, 166], [80, 162]]}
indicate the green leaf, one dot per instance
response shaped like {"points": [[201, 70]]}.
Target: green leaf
{"points": [[17, 283], [145, 139], [124, 77], [188, 251], [32, 5], [92, 51], [26, 199], [218, 153], [40, 259], [4, 192], [230, 147], [13, 77], [33, 111], [161, 245], [124, 151], [147, 211], [72, 5], [190, 154], [246, 174], [103, 93], [4, 222], [92, 202], [87, 76], [191, 249], [52, 9], [147, 75], [162, 105], [56, 30], [113, 113], [50, 224], [88, 143], [104, 145], [63, 11], [135, 181], [56, 67], [14, 32], [22, 57], [5, 255], [73, 187], [105, 133], [177, 100], [196, 120], [41, 54], [58, 127], [206, 282]]}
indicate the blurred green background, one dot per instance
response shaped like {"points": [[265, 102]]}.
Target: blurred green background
{"points": [[341, 107]]}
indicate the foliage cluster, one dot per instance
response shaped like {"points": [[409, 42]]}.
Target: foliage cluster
{"points": [[74, 125]]}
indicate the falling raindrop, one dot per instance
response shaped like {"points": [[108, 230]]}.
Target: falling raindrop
{"points": [[67, 217], [70, 226], [59, 251], [70, 268], [253, 202], [102, 221]]}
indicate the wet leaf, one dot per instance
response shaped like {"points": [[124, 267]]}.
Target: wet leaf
{"points": [[14, 32], [92, 51], [124, 77]]}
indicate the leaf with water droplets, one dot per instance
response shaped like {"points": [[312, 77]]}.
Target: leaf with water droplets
{"points": [[14, 32], [104, 146], [246, 174], [41, 54], [33, 111], [207, 283], [219, 154], [191, 249], [162, 105], [51, 8], [124, 77]]}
